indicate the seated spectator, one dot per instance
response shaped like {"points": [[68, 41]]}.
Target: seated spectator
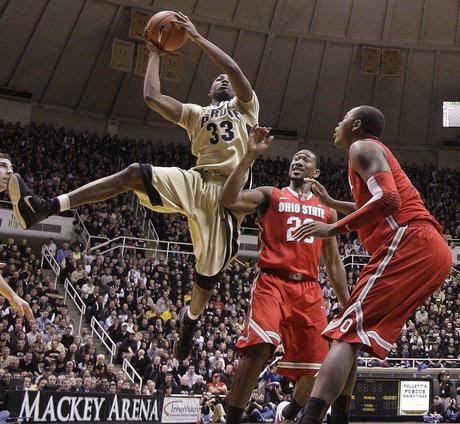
{"points": [[436, 413], [257, 411], [452, 414], [217, 387], [200, 387]]}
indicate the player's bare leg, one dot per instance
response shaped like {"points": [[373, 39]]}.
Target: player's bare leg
{"points": [[245, 379], [30, 209], [337, 370]]}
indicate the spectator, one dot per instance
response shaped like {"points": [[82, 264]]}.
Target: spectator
{"points": [[217, 387]]}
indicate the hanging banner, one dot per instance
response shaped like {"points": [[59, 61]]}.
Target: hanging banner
{"points": [[70, 407]]}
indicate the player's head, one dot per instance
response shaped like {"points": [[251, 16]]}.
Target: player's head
{"points": [[221, 89], [6, 170], [303, 165], [358, 123]]}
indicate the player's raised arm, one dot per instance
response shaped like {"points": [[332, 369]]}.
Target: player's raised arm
{"points": [[21, 306], [239, 82], [247, 201], [168, 107], [334, 266]]}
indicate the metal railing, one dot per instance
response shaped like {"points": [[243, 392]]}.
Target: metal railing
{"points": [[355, 260], [89, 239], [156, 247], [77, 300], [371, 362], [104, 337], [131, 372], [52, 262]]}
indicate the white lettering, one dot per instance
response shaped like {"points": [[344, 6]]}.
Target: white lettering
{"points": [[125, 409], [114, 410], [60, 416], [136, 410], [98, 405], [75, 413], [145, 406], [28, 410], [49, 410], [87, 408], [154, 412]]}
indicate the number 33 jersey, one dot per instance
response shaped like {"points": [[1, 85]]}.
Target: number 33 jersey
{"points": [[219, 132], [277, 247]]}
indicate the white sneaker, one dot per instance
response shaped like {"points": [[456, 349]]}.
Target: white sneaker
{"points": [[279, 418]]}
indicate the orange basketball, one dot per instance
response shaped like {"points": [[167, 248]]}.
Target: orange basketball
{"points": [[164, 33]]}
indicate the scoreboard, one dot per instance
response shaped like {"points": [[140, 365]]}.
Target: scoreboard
{"points": [[385, 398]]}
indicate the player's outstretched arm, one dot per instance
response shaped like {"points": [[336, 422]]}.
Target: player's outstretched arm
{"points": [[334, 266], [167, 107], [21, 306], [240, 83], [320, 191], [247, 201]]}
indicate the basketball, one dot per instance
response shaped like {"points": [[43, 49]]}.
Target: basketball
{"points": [[164, 33]]}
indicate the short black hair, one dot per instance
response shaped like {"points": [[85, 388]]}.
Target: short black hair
{"points": [[372, 119], [5, 156]]}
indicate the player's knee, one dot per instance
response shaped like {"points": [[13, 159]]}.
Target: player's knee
{"points": [[132, 176], [206, 282]]}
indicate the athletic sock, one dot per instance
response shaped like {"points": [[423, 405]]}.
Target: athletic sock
{"points": [[340, 410], [314, 412], [291, 410], [233, 415], [62, 203], [191, 316]]}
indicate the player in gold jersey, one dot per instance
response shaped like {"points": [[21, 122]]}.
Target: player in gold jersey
{"points": [[218, 135]]}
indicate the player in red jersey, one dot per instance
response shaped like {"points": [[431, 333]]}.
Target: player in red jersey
{"points": [[287, 303], [409, 257]]}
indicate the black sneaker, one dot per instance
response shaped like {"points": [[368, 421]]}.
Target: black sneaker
{"points": [[183, 346], [28, 208]]}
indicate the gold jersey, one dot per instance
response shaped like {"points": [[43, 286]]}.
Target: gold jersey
{"points": [[219, 133]]}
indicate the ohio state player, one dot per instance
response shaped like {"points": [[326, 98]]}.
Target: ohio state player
{"points": [[287, 302], [410, 258]]}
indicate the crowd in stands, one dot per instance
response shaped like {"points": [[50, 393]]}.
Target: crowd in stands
{"points": [[137, 298]]}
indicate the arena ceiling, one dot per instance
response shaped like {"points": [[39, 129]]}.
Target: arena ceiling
{"points": [[302, 56]]}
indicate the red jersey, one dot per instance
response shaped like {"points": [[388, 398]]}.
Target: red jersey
{"points": [[412, 207], [277, 247]]}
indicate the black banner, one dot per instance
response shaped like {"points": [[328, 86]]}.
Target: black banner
{"points": [[71, 407]]}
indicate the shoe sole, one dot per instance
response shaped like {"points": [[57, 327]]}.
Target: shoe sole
{"points": [[15, 195], [181, 320]]}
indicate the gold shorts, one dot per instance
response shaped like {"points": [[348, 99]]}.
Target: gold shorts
{"points": [[214, 229]]}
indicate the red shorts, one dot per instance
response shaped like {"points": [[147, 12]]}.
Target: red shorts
{"points": [[292, 313], [408, 268]]}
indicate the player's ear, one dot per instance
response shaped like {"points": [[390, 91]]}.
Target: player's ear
{"points": [[210, 94], [316, 173], [357, 124]]}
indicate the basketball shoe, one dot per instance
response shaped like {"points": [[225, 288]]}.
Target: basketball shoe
{"points": [[28, 208], [183, 346]]}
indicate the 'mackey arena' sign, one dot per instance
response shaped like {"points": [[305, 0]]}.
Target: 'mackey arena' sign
{"points": [[70, 407]]}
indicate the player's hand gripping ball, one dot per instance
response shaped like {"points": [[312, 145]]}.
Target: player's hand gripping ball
{"points": [[164, 32]]}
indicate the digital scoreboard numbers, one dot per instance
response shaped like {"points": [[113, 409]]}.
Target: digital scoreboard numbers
{"points": [[375, 398]]}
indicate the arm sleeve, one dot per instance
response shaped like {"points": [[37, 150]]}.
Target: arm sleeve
{"points": [[190, 118], [385, 201]]}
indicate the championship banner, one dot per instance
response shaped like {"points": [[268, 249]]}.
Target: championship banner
{"points": [[69, 407], [178, 409]]}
